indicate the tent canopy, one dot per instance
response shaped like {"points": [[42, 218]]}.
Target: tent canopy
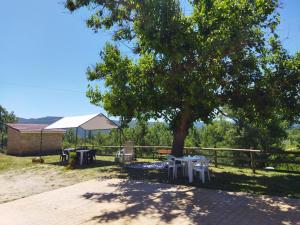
{"points": [[86, 122]]}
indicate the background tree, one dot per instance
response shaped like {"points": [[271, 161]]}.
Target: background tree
{"points": [[138, 133], [188, 67], [5, 117], [219, 133], [294, 138], [193, 138], [263, 133], [159, 135], [69, 138]]}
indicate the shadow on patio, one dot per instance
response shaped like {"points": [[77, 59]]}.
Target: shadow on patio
{"points": [[180, 204]]}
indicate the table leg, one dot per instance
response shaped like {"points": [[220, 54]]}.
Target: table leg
{"points": [[81, 158], [190, 171]]}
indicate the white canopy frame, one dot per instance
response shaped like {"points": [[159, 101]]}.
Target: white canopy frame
{"points": [[86, 122]]}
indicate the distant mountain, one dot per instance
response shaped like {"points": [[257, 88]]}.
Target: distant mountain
{"points": [[52, 119], [43, 120], [134, 122]]}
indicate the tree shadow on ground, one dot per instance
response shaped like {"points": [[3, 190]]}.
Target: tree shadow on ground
{"points": [[168, 203], [279, 185]]}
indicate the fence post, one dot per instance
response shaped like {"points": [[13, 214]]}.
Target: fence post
{"points": [[153, 152], [216, 157], [2, 140], [252, 158]]}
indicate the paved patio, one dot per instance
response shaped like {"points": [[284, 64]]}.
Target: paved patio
{"points": [[116, 201]]}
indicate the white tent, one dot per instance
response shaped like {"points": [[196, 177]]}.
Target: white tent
{"points": [[86, 122]]}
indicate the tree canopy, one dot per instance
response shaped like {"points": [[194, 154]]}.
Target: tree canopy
{"points": [[6, 117], [189, 66]]}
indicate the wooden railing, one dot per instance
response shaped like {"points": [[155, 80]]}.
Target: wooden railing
{"points": [[251, 158], [214, 154]]}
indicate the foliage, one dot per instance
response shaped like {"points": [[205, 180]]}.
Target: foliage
{"points": [[294, 138], [72, 160], [193, 138], [137, 135], [70, 136], [220, 133], [69, 139], [5, 117], [265, 134], [187, 67]]}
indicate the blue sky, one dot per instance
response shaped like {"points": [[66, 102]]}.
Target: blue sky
{"points": [[45, 50]]}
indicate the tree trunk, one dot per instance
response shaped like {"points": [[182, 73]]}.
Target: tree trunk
{"points": [[178, 143], [180, 132]]}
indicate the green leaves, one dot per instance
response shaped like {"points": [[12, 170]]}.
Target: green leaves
{"points": [[223, 53], [6, 117]]}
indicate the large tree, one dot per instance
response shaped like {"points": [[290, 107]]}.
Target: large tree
{"points": [[187, 65]]}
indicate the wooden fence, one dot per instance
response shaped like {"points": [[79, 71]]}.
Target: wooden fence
{"points": [[288, 161]]}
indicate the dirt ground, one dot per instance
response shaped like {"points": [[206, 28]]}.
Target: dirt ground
{"points": [[15, 184]]}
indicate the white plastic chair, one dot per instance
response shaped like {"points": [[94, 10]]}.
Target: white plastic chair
{"points": [[126, 154], [202, 167], [173, 165]]}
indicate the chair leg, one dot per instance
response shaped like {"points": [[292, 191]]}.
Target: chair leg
{"points": [[174, 172], [203, 176], [208, 174], [184, 170]]}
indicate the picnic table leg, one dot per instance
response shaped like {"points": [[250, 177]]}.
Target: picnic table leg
{"points": [[190, 171], [81, 158]]}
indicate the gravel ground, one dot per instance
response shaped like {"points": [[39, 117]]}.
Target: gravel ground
{"points": [[17, 184]]}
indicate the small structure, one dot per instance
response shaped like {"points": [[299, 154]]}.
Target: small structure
{"points": [[32, 139], [86, 122]]}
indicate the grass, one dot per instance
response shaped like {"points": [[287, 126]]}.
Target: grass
{"points": [[223, 178]]}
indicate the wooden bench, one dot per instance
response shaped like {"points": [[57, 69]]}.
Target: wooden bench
{"points": [[163, 152]]}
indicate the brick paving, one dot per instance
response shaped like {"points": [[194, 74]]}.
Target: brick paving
{"points": [[116, 201]]}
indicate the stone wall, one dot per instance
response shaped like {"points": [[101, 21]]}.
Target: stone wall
{"points": [[52, 142], [13, 143], [30, 143]]}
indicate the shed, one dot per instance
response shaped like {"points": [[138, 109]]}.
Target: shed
{"points": [[32, 139]]}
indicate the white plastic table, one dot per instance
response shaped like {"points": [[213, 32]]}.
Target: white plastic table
{"points": [[189, 160], [81, 155]]}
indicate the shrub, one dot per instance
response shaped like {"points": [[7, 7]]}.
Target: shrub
{"points": [[72, 160]]}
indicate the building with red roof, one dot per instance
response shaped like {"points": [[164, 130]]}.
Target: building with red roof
{"points": [[33, 139]]}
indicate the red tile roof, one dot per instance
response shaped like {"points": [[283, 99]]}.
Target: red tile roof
{"points": [[30, 127]]}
